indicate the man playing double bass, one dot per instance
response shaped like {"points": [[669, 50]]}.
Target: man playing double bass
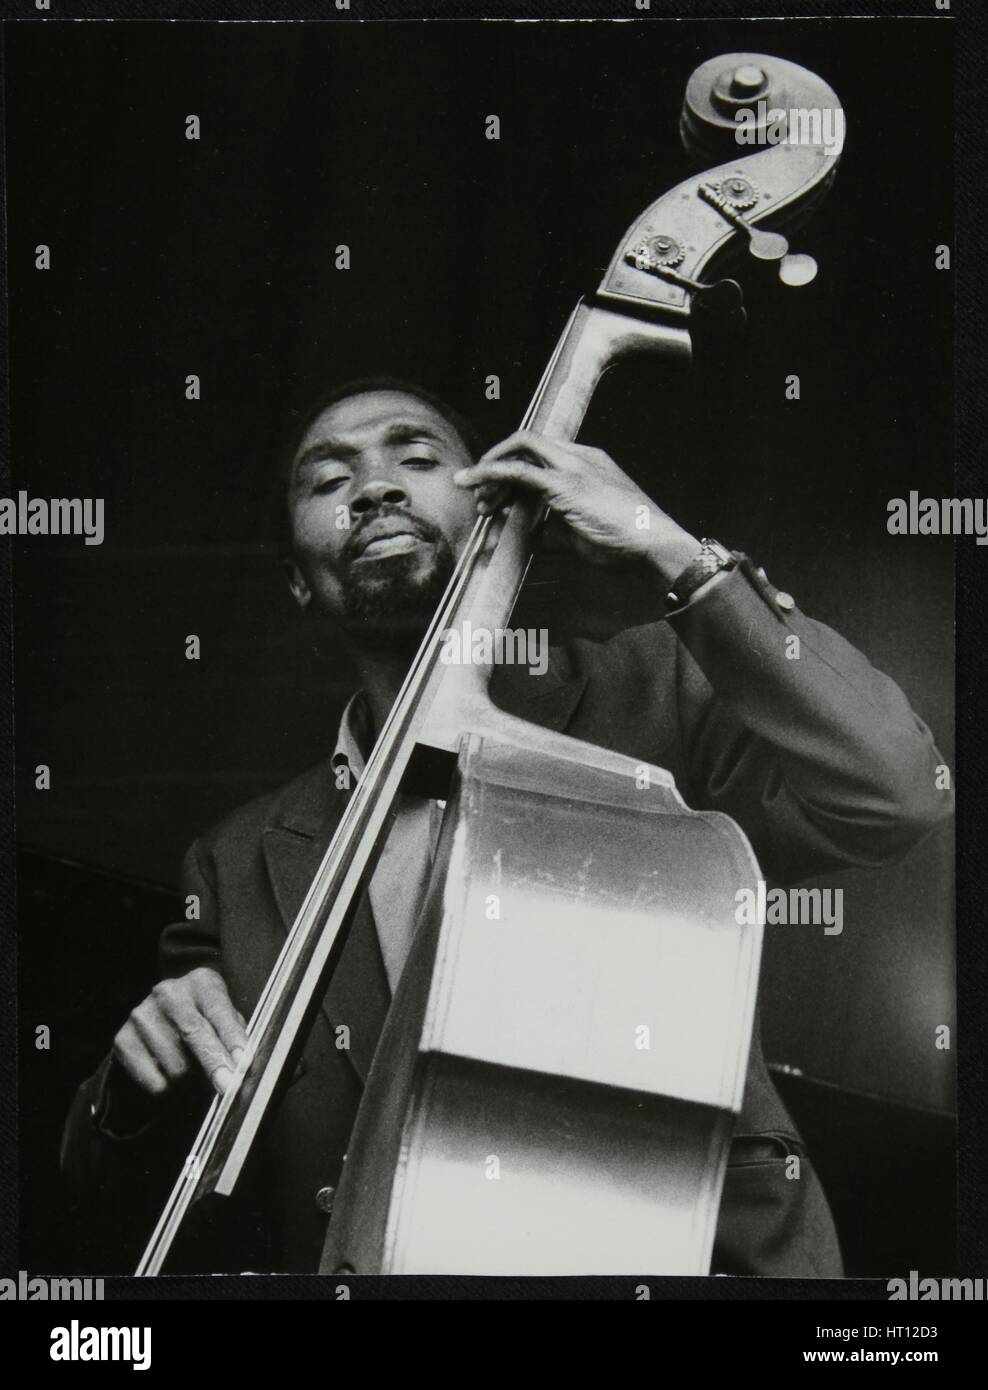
{"points": [[821, 761]]}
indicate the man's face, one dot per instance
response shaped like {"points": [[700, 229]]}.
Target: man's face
{"points": [[384, 461]]}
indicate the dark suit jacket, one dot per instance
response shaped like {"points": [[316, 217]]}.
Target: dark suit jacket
{"points": [[820, 759]]}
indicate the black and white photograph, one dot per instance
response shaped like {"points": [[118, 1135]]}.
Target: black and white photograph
{"points": [[482, 522]]}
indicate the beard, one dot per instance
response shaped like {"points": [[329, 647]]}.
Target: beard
{"points": [[390, 603]]}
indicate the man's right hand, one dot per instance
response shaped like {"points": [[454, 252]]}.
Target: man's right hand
{"points": [[186, 1022]]}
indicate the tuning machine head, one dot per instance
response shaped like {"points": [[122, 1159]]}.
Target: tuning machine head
{"points": [[732, 198], [660, 255]]}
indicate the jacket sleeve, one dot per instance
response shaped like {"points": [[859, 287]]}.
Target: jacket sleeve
{"points": [[793, 733], [114, 1129]]}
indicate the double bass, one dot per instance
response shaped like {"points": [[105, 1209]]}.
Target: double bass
{"points": [[575, 1015]]}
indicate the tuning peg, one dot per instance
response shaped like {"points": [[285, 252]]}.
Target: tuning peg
{"points": [[764, 246], [722, 299], [797, 269], [794, 268], [660, 257]]}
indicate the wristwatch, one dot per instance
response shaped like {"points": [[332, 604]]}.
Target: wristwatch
{"points": [[713, 558]]}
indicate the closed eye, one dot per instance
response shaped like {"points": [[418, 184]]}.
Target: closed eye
{"points": [[328, 485], [419, 461]]}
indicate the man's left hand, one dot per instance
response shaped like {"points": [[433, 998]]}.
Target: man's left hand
{"points": [[607, 519]]}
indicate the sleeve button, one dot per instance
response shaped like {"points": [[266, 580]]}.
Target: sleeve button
{"points": [[324, 1200], [785, 601]]}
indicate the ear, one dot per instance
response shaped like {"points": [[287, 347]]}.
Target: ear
{"points": [[301, 592]]}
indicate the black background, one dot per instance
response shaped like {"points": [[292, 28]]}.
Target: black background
{"points": [[216, 257]]}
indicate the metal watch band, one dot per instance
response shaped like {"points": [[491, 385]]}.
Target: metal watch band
{"points": [[713, 558]]}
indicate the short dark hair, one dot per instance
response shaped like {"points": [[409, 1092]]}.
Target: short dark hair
{"points": [[361, 386]]}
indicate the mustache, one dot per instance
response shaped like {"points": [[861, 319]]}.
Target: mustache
{"points": [[414, 525]]}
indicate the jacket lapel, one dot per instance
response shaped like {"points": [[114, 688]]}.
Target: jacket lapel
{"points": [[294, 842]]}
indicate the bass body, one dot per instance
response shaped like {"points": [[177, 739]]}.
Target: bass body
{"points": [[558, 1079]]}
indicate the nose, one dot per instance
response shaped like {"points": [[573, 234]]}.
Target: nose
{"points": [[376, 493]]}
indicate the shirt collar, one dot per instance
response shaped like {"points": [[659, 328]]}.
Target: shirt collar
{"points": [[353, 736]]}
